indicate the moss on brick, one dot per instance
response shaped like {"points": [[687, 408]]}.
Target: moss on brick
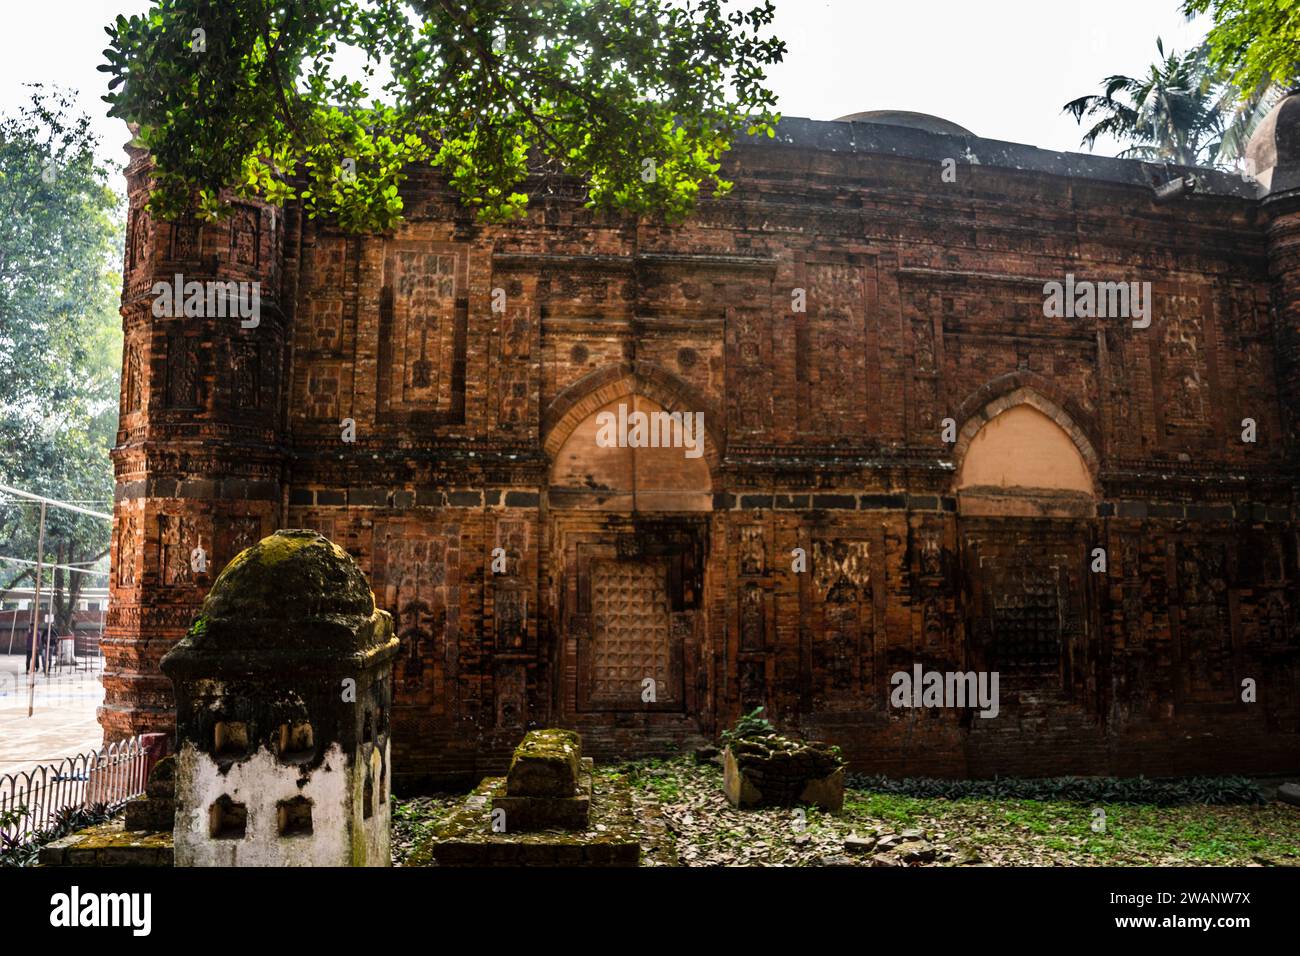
{"points": [[287, 576], [545, 764], [467, 838], [295, 601]]}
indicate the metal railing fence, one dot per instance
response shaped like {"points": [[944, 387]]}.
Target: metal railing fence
{"points": [[31, 801]]}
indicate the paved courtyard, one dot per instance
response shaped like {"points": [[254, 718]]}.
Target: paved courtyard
{"points": [[63, 722]]}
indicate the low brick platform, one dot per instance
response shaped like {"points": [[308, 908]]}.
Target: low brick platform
{"points": [[109, 844], [466, 839]]}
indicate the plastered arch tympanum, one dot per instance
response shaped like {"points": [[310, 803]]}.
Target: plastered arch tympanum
{"points": [[1023, 454], [585, 475]]}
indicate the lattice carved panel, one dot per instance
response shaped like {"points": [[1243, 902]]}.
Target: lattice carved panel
{"points": [[631, 633]]}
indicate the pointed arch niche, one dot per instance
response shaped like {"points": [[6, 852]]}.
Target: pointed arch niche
{"points": [[1023, 456], [587, 476]]}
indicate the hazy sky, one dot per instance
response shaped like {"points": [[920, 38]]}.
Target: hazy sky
{"points": [[1001, 68]]}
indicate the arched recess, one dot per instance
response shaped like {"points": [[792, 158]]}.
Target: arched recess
{"points": [[586, 475], [1022, 454]]}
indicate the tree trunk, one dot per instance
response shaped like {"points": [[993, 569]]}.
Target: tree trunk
{"points": [[58, 610]]}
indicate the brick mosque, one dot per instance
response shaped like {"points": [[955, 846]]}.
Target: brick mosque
{"points": [[904, 460]]}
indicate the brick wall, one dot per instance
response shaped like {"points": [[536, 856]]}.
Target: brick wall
{"points": [[924, 302]]}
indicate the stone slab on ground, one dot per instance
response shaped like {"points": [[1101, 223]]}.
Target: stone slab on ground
{"points": [[1289, 793], [109, 844], [466, 838]]}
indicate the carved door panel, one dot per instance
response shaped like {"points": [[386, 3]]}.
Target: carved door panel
{"points": [[1028, 606], [841, 618], [632, 638], [631, 618]]}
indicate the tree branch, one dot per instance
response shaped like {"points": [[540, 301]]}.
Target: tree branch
{"points": [[274, 64], [493, 74]]}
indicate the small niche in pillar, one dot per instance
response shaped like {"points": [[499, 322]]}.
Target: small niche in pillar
{"points": [[293, 817], [230, 738], [296, 744], [368, 796], [227, 820], [368, 728]]}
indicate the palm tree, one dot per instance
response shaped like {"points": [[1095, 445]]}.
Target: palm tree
{"points": [[1244, 114], [1176, 113]]}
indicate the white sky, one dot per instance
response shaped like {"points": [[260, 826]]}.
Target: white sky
{"points": [[1001, 68]]}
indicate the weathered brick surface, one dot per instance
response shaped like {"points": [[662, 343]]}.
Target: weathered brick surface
{"points": [[770, 770], [924, 303]]}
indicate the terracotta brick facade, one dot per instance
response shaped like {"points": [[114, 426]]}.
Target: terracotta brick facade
{"points": [[473, 361]]}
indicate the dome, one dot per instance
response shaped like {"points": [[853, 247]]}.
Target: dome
{"points": [[922, 121], [290, 575], [1275, 145], [294, 595]]}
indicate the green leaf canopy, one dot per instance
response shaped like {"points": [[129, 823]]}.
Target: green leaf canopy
{"points": [[638, 99]]}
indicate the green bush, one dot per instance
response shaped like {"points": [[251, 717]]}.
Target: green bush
{"points": [[15, 851], [750, 725]]}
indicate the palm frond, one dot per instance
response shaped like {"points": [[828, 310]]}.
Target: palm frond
{"points": [[1181, 110]]}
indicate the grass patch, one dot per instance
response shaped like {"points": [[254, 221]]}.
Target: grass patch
{"points": [[903, 811], [1062, 832]]}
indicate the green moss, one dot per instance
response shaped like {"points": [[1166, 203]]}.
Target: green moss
{"points": [[293, 597], [552, 740], [290, 574], [111, 834], [613, 822], [551, 746]]}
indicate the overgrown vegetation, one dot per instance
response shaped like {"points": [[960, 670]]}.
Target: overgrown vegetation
{"points": [[416, 818], [1184, 109], [1257, 42], [752, 724], [1225, 791], [1070, 822], [60, 340], [18, 850], [636, 100]]}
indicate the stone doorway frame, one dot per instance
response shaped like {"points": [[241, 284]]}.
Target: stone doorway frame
{"points": [[683, 543]]}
